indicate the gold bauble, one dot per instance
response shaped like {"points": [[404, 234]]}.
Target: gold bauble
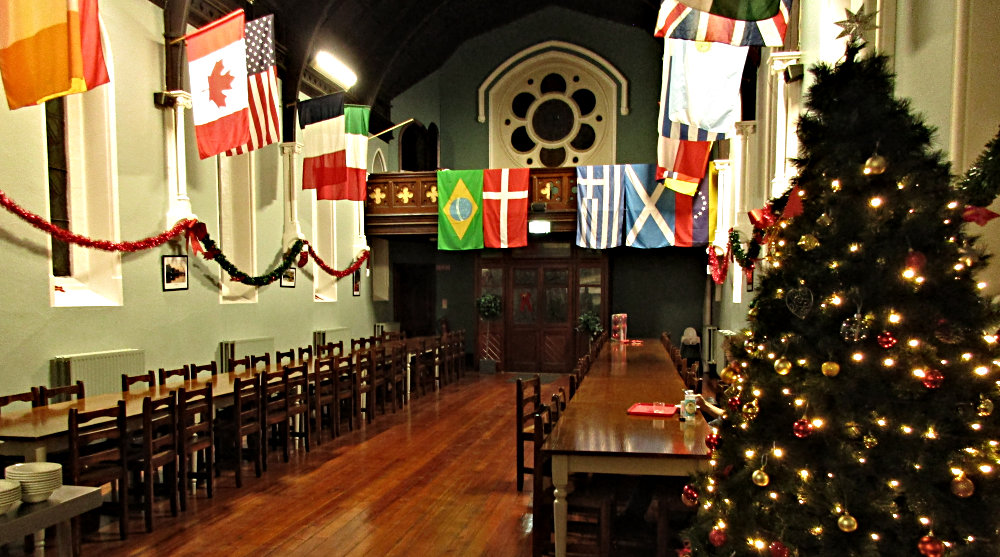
{"points": [[824, 220], [870, 441], [808, 242], [875, 164], [750, 410], [961, 486], [985, 407], [853, 430], [729, 374], [830, 369], [782, 366], [847, 523], [760, 478]]}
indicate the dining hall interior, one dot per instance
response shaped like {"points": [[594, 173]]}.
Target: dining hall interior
{"points": [[229, 354]]}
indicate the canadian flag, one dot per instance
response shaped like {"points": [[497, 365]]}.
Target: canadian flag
{"points": [[505, 207], [217, 68]]}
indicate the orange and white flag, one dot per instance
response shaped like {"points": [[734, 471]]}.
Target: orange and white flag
{"points": [[49, 49]]}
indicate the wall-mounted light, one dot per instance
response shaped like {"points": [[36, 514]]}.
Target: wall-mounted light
{"points": [[331, 67], [539, 227]]}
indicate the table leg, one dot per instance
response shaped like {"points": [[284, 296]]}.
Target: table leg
{"points": [[560, 479], [64, 539]]}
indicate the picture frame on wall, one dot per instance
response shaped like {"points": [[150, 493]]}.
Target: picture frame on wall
{"points": [[288, 278], [356, 282], [174, 272]]}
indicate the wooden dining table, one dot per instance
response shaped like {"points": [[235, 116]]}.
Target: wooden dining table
{"points": [[596, 434]]}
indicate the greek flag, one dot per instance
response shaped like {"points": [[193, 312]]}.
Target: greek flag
{"points": [[600, 199]]}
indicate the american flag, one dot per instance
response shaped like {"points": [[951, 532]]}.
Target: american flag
{"points": [[262, 85], [677, 21]]}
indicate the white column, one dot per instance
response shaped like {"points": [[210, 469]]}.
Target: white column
{"points": [[291, 230], [179, 203]]}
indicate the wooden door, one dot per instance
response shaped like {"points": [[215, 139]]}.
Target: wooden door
{"points": [[413, 287], [540, 331]]}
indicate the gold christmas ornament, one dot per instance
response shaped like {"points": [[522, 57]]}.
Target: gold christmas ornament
{"points": [[875, 165], [824, 220], [847, 523], [961, 486], [985, 407], [782, 366], [729, 374], [808, 242], [870, 441], [830, 369], [760, 478], [750, 410], [853, 430]]}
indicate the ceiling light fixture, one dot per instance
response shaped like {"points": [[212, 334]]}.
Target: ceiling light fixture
{"points": [[331, 67]]}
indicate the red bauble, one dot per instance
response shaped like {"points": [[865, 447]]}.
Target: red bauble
{"points": [[933, 379], [712, 441], [778, 549], [916, 260], [802, 428], [734, 403], [689, 495], [929, 545], [887, 340], [717, 537]]}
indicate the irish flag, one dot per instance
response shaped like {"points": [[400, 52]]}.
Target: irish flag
{"points": [[48, 49], [335, 151]]}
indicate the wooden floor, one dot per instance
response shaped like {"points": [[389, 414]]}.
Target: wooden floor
{"points": [[436, 478]]}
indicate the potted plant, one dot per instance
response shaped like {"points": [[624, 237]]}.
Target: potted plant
{"points": [[490, 307], [590, 322]]}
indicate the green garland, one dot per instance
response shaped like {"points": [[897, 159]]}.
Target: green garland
{"points": [[213, 252]]}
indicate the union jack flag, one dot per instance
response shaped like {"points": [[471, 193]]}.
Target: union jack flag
{"points": [[677, 21]]}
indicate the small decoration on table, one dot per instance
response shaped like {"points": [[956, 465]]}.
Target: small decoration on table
{"points": [[887, 340], [847, 523], [782, 366], [619, 327], [933, 379], [802, 428], [799, 301], [778, 549], [830, 369], [930, 546], [962, 486], [689, 495], [717, 537]]}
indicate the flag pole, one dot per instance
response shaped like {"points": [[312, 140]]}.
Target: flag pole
{"points": [[390, 129]]}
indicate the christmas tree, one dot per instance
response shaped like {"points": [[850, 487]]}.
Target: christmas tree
{"points": [[860, 401]]}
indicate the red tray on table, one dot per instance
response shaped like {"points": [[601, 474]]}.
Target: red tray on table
{"points": [[650, 409]]}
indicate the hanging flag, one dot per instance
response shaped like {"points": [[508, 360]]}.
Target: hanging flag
{"points": [[49, 49], [704, 84], [262, 85], [647, 205], [672, 129], [677, 21], [600, 202], [747, 10], [692, 215], [335, 148], [505, 207], [682, 163], [217, 68], [460, 209]]}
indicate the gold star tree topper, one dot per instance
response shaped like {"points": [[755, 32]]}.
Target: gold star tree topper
{"points": [[857, 24]]}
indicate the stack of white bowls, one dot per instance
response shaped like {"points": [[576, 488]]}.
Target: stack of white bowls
{"points": [[38, 479], [10, 494]]}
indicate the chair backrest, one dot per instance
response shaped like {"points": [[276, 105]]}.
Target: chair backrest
{"points": [[194, 417], [529, 400], [324, 378], [281, 357], [165, 375], [30, 397], [235, 363], [297, 389], [263, 359], [305, 354], [148, 378], [330, 349], [95, 441], [246, 404], [363, 367], [47, 394], [159, 425], [359, 344], [272, 394], [211, 368]]}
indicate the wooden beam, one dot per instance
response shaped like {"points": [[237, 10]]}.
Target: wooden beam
{"points": [[175, 16]]}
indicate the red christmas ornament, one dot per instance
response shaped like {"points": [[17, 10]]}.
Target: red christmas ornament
{"points": [[916, 260], [778, 549], [802, 428], [929, 545], [712, 441], [887, 340], [933, 379], [689, 495], [734, 403], [717, 537]]}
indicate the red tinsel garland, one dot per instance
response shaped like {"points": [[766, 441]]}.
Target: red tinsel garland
{"points": [[719, 268], [330, 270], [69, 237]]}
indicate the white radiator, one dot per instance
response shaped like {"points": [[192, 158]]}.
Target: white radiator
{"points": [[235, 349], [101, 372]]}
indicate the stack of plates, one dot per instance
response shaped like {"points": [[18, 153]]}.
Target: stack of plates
{"points": [[10, 494], [38, 479]]}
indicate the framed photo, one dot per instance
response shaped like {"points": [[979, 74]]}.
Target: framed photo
{"points": [[175, 272], [288, 278], [357, 282]]}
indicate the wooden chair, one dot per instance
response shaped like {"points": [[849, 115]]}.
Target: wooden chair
{"points": [[281, 357], [47, 394], [344, 370], [244, 422], [359, 344], [379, 378], [330, 349], [572, 386], [265, 359], [165, 375], [211, 368], [305, 354], [97, 456], [148, 378], [285, 396], [362, 378], [557, 405], [528, 403], [423, 368], [195, 436], [298, 402], [234, 364], [158, 450], [396, 376], [274, 415], [326, 406], [31, 397]]}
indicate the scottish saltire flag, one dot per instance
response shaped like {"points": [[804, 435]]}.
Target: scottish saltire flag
{"points": [[703, 88], [646, 203], [747, 10], [505, 207], [600, 202], [460, 209], [677, 21]]}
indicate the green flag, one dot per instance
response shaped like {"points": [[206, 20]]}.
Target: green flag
{"points": [[460, 209], [747, 10]]}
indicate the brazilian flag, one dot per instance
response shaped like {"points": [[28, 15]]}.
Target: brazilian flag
{"points": [[460, 209]]}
